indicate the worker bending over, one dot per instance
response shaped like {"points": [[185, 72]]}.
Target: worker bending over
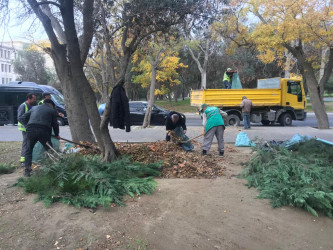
{"points": [[39, 121], [213, 125], [175, 122]]}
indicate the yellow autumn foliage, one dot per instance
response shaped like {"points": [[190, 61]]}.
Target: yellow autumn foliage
{"points": [[285, 21], [166, 73], [278, 23]]}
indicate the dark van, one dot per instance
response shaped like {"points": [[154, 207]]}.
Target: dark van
{"points": [[13, 94]]}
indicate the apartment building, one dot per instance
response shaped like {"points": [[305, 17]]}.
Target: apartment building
{"points": [[7, 55]]}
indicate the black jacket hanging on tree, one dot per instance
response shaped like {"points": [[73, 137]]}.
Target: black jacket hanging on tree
{"points": [[120, 114]]}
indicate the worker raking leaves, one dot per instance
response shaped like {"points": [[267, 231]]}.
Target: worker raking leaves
{"points": [[176, 129], [213, 125]]}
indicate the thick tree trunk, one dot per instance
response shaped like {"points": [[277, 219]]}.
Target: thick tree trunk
{"points": [[317, 103], [78, 121], [76, 65], [312, 83], [76, 112]]}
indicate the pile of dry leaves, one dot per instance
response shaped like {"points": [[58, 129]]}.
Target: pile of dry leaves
{"points": [[176, 163]]}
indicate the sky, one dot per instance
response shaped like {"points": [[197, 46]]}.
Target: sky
{"points": [[25, 29]]}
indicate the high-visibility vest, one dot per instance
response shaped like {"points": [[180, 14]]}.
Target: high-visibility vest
{"points": [[20, 126], [226, 77], [40, 102]]}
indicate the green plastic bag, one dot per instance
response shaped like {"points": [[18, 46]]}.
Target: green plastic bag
{"points": [[38, 152], [236, 83]]}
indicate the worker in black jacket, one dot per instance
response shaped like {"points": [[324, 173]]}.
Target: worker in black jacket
{"points": [[173, 121], [120, 114], [39, 121]]}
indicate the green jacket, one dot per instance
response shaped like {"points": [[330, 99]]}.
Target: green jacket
{"points": [[214, 118]]}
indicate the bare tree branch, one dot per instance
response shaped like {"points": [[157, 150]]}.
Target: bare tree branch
{"points": [[50, 2]]}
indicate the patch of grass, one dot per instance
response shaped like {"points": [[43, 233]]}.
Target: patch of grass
{"points": [[301, 176], [86, 181], [182, 106], [6, 168], [139, 244], [328, 106]]}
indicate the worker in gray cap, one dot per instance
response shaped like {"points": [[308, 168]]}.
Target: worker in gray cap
{"points": [[246, 106], [46, 96]]}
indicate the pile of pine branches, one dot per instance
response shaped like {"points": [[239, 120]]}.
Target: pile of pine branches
{"points": [[301, 176], [87, 181]]}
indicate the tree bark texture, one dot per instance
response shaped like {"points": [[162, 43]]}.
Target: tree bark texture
{"points": [[146, 120], [102, 135], [312, 83], [69, 60]]}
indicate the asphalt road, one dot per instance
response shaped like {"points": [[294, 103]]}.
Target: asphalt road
{"points": [[138, 134], [311, 121]]}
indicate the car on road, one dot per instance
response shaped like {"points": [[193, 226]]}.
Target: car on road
{"points": [[138, 110]]}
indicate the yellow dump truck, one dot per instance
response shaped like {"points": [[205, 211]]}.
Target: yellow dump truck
{"points": [[275, 100]]}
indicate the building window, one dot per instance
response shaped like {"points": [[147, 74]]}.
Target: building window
{"points": [[5, 67], [8, 54], [1, 53], [3, 80], [5, 53], [10, 79], [2, 68], [10, 68]]}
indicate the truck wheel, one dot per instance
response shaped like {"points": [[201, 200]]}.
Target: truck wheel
{"points": [[233, 120], [286, 119], [60, 121], [265, 122]]}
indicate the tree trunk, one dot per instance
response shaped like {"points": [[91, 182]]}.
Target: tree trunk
{"points": [[317, 104], [146, 120], [288, 64], [75, 109], [204, 79], [202, 68], [312, 83], [76, 65], [169, 97], [76, 112]]}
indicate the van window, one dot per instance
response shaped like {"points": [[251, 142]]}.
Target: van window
{"points": [[16, 98], [58, 99]]}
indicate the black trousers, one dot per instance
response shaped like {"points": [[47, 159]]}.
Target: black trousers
{"points": [[35, 134]]}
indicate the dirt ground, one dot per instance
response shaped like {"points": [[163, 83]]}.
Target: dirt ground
{"points": [[219, 213]]}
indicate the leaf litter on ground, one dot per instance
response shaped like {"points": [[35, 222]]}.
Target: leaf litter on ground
{"points": [[175, 162]]}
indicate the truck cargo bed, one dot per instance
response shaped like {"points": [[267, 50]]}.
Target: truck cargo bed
{"points": [[233, 97]]}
